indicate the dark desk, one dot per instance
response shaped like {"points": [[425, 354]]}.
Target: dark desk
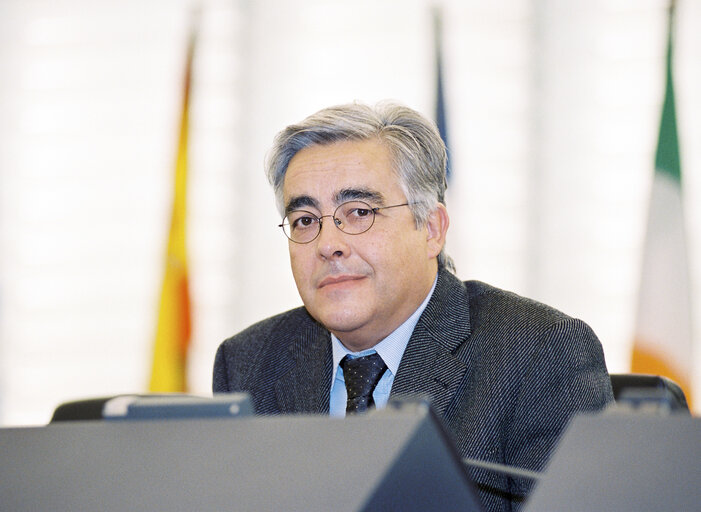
{"points": [[624, 462], [389, 460]]}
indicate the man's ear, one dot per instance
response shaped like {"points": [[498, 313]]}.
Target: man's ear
{"points": [[436, 229]]}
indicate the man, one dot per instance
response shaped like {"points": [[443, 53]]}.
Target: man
{"points": [[361, 191]]}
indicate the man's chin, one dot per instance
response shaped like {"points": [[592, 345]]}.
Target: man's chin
{"points": [[339, 320]]}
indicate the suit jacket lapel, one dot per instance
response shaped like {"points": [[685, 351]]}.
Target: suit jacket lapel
{"points": [[429, 366], [306, 386]]}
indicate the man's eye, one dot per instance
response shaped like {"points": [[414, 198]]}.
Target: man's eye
{"points": [[302, 222], [360, 212]]}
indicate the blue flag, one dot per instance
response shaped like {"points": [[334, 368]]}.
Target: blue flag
{"points": [[441, 120]]}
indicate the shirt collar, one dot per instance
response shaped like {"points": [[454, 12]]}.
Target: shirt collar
{"points": [[391, 348]]}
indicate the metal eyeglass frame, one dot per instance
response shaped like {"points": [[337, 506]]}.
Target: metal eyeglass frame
{"points": [[337, 222]]}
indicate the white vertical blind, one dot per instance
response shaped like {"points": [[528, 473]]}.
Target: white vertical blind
{"points": [[599, 103], [217, 153], [688, 88], [553, 110], [93, 92], [488, 60]]}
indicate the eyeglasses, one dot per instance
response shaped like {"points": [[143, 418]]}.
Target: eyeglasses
{"points": [[352, 217]]}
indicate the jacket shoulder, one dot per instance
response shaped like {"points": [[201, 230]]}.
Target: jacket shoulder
{"points": [[511, 328], [487, 301], [260, 348]]}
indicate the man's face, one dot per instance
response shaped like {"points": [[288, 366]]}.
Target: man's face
{"points": [[361, 287]]}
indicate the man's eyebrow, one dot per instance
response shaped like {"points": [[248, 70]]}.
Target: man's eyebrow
{"points": [[301, 202], [344, 195], [359, 194]]}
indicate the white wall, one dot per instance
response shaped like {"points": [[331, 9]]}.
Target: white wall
{"points": [[553, 112]]}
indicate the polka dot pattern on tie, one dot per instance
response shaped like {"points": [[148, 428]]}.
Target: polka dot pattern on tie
{"points": [[361, 375]]}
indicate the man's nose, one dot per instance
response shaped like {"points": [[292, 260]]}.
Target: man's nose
{"points": [[331, 240]]}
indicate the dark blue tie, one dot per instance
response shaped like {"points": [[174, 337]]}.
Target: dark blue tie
{"points": [[361, 375]]}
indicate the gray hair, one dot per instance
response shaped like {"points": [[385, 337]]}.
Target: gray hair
{"points": [[416, 148]]}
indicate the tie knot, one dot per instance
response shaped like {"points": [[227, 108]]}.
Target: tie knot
{"points": [[361, 375]]}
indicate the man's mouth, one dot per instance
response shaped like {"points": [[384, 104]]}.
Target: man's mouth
{"points": [[339, 279]]}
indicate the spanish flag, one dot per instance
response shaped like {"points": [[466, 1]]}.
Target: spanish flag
{"points": [[169, 370], [663, 338]]}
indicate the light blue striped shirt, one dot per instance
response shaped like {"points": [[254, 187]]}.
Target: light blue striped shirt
{"points": [[391, 350]]}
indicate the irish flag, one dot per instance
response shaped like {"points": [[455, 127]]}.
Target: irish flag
{"points": [[663, 341]]}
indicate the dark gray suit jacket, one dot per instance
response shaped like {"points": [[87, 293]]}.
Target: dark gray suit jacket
{"points": [[504, 372]]}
